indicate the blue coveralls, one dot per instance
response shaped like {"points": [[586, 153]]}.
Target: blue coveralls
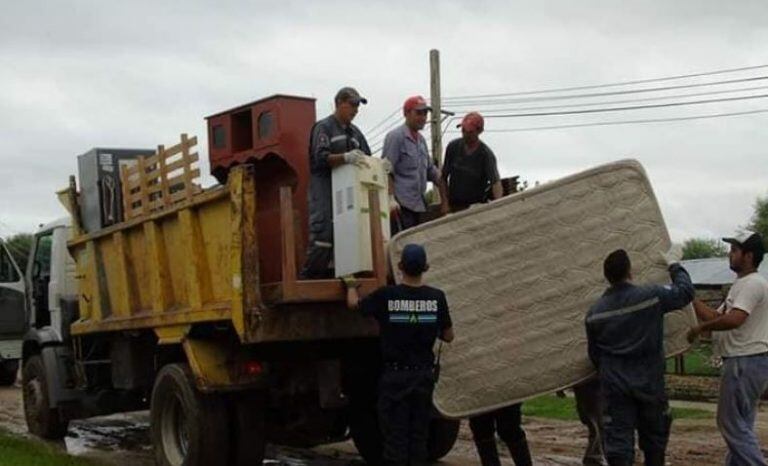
{"points": [[625, 334], [328, 137]]}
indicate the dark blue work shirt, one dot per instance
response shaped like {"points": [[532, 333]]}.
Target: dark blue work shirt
{"points": [[410, 320], [627, 322]]}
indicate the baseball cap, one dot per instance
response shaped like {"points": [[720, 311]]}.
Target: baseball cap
{"points": [[349, 94], [414, 259], [415, 102], [472, 121], [748, 241]]}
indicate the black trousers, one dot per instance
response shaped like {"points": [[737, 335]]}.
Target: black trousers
{"points": [[403, 220], [405, 406], [507, 422], [589, 406]]}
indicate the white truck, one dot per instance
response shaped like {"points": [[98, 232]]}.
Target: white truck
{"points": [[12, 315]]}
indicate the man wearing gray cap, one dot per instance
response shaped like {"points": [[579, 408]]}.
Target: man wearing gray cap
{"points": [[740, 333], [334, 141]]}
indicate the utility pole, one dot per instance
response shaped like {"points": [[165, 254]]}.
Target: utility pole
{"points": [[437, 114]]}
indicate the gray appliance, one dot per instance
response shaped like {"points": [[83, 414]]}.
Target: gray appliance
{"points": [[101, 200]]}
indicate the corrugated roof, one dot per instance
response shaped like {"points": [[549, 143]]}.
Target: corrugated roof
{"points": [[714, 271]]}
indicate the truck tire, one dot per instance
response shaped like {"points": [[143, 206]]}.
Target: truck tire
{"points": [[188, 428], [8, 370], [442, 436], [42, 420], [248, 435]]}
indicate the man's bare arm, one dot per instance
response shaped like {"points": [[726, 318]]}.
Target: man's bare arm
{"points": [[447, 335], [496, 190]]}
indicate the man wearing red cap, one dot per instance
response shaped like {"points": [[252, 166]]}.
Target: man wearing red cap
{"points": [[412, 167], [470, 171]]}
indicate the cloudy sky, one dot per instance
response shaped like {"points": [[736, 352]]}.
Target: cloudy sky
{"points": [[80, 74]]}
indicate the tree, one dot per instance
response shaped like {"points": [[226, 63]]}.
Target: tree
{"points": [[702, 248], [759, 221], [19, 246]]}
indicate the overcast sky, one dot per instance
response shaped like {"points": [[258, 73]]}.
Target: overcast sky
{"points": [[80, 74]]}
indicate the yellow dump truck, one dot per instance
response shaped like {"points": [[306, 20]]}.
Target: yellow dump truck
{"points": [[174, 308]]}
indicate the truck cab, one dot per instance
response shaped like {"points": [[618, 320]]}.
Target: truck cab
{"points": [[13, 323]]}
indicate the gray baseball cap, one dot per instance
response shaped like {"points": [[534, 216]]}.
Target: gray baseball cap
{"points": [[349, 94]]}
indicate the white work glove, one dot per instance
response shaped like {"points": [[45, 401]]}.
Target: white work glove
{"points": [[387, 166], [393, 204], [674, 254], [356, 157]]}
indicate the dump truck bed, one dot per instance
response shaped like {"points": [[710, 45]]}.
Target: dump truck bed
{"points": [[199, 262], [521, 273]]}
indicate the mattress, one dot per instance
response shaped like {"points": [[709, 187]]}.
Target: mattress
{"points": [[520, 274]]}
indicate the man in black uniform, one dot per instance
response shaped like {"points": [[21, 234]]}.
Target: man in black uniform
{"points": [[625, 336], [470, 169], [411, 316], [334, 141]]}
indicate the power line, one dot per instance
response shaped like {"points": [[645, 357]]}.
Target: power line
{"points": [[603, 94], [627, 108], [388, 117], [623, 122], [616, 84], [611, 102]]}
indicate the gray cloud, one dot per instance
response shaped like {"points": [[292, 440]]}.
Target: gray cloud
{"points": [[136, 74]]}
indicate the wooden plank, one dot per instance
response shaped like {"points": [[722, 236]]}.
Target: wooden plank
{"points": [[125, 282], [187, 167], [183, 178], [165, 193], [288, 237], [179, 164], [157, 264], [178, 148], [377, 238], [126, 187], [143, 187], [314, 291], [196, 262]]}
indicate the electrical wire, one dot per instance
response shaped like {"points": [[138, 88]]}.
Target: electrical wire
{"points": [[628, 108], [599, 86], [623, 122]]}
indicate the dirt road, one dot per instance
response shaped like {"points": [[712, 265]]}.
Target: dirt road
{"points": [[124, 440]]}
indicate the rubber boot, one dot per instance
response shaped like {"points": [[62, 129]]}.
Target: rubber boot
{"points": [[486, 450], [619, 462], [520, 453], [654, 458]]}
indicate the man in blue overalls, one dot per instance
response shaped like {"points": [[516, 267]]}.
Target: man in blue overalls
{"points": [[334, 141], [625, 335]]}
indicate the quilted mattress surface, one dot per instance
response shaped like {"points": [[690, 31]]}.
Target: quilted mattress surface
{"points": [[520, 274]]}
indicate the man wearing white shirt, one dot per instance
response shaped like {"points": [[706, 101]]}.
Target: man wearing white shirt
{"points": [[740, 332]]}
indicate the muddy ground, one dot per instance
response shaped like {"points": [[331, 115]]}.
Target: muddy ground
{"points": [[124, 440]]}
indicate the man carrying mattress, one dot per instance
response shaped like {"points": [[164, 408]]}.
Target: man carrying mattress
{"points": [[625, 333]]}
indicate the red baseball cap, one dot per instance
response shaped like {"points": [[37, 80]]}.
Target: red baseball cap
{"points": [[416, 102], [472, 121]]}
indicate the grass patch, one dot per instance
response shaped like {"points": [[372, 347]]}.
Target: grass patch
{"points": [[697, 361], [18, 451], [554, 407]]}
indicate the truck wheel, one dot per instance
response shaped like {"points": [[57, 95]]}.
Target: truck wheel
{"points": [[188, 427], [42, 420], [8, 370], [442, 436], [248, 435]]}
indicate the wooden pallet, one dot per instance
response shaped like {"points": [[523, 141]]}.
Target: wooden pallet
{"points": [[162, 180]]}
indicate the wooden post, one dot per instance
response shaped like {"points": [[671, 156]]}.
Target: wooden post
{"points": [[288, 239], [187, 167], [143, 186], [436, 104], [165, 192], [377, 238]]}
